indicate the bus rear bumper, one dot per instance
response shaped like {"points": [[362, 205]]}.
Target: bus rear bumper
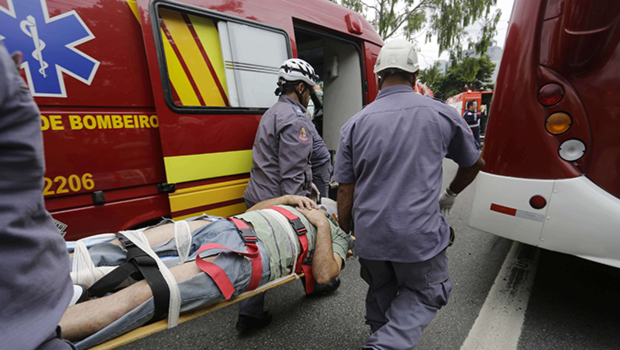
{"points": [[579, 219]]}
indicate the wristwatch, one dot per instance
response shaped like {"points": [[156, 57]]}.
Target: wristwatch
{"points": [[450, 193]]}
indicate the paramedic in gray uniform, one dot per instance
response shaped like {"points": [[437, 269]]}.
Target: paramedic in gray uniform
{"points": [[321, 162], [281, 163], [283, 144], [389, 166], [35, 288]]}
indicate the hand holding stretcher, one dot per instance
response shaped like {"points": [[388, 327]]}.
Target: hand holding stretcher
{"points": [[278, 240]]}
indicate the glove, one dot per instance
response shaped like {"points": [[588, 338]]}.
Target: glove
{"points": [[446, 202], [315, 194]]}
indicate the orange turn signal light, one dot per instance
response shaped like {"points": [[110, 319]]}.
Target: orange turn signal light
{"points": [[558, 123]]}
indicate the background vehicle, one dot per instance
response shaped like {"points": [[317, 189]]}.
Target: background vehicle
{"points": [[150, 108], [552, 149], [459, 102]]}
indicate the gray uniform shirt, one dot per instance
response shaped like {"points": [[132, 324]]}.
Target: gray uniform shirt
{"points": [[35, 287], [393, 151], [320, 154], [281, 153]]}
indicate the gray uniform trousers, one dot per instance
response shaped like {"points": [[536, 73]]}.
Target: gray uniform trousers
{"points": [[321, 176], [403, 298]]}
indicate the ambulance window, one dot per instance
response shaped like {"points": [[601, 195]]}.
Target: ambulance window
{"points": [[212, 61]]}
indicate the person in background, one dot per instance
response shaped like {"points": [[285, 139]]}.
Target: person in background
{"points": [[35, 288], [389, 170], [473, 120]]}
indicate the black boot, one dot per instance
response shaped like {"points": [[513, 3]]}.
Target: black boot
{"points": [[247, 324]]}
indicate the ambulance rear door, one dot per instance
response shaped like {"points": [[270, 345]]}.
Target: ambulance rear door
{"points": [[213, 77]]}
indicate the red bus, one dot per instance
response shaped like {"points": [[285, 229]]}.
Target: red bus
{"points": [[552, 148], [150, 108]]}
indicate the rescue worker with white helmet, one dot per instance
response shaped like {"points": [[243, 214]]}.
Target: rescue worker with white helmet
{"points": [[389, 167], [281, 163]]}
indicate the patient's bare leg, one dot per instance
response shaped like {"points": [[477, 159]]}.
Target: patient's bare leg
{"points": [[82, 320]]}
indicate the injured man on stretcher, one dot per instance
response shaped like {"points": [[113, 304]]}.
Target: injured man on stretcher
{"points": [[210, 259]]}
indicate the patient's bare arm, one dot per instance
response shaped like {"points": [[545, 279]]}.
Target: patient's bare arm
{"points": [[297, 201], [326, 264]]}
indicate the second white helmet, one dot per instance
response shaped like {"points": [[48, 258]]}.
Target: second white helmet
{"points": [[296, 69], [398, 54]]}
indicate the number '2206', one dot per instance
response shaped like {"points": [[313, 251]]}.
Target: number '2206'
{"points": [[66, 185]]}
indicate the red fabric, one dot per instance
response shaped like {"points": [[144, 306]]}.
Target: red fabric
{"points": [[239, 223], [219, 276]]}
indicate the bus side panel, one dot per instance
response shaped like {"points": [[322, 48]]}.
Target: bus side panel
{"points": [[510, 215], [582, 219]]}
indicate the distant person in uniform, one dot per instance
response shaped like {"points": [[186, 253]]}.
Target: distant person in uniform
{"points": [[35, 288], [281, 164], [389, 169], [473, 120]]}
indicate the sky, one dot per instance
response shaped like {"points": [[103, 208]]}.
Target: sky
{"points": [[428, 53]]}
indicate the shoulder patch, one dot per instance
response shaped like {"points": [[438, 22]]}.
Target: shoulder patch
{"points": [[303, 135]]}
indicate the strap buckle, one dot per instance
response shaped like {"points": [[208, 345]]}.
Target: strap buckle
{"points": [[247, 234], [298, 226], [126, 242]]}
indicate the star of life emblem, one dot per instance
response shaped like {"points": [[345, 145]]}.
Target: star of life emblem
{"points": [[48, 45]]}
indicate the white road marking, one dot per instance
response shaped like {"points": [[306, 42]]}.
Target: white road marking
{"points": [[499, 323]]}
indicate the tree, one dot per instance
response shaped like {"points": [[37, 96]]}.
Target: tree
{"points": [[431, 76], [445, 19], [469, 73]]}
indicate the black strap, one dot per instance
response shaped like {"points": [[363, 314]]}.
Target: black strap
{"points": [[140, 265]]}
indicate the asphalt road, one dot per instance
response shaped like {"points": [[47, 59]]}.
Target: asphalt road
{"points": [[574, 304]]}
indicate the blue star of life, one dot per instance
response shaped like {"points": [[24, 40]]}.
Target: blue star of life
{"points": [[48, 45]]}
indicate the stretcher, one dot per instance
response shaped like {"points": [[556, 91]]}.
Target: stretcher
{"points": [[162, 325]]}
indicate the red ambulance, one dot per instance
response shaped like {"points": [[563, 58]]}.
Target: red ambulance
{"points": [[150, 107]]}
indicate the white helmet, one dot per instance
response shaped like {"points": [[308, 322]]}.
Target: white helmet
{"points": [[398, 54], [296, 69]]}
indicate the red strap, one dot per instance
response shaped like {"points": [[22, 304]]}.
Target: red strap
{"points": [[293, 219], [306, 269], [219, 276], [303, 240]]}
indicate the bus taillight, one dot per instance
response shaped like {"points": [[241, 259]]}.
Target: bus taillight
{"points": [[550, 94], [558, 123]]}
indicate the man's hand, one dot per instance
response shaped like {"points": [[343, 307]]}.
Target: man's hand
{"points": [[296, 201], [445, 203], [301, 202], [316, 217]]}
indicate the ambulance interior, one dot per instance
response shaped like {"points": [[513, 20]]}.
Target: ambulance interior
{"points": [[338, 65]]}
